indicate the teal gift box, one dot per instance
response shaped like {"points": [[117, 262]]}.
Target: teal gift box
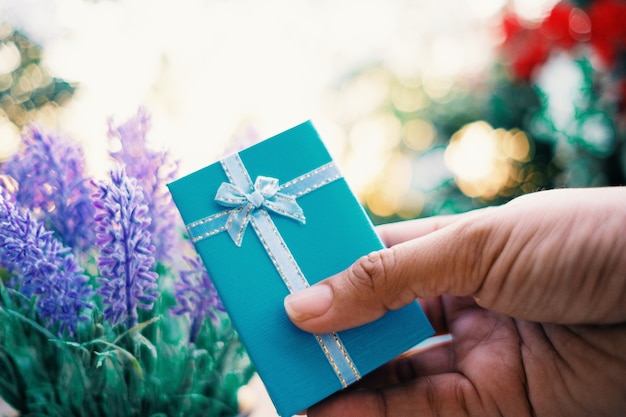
{"points": [[278, 217]]}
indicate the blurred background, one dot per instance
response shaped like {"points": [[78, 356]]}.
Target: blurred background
{"points": [[429, 107]]}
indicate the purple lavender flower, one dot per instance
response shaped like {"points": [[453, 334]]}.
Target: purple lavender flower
{"points": [[43, 269], [50, 172], [196, 295], [153, 170], [125, 261]]}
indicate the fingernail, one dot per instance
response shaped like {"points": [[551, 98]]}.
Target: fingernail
{"points": [[309, 303]]}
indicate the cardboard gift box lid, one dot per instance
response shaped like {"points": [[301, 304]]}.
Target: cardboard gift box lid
{"points": [[246, 259]]}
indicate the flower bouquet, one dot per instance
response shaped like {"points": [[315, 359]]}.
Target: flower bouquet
{"points": [[105, 310]]}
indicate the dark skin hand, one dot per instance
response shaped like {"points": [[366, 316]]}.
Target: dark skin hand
{"points": [[533, 293]]}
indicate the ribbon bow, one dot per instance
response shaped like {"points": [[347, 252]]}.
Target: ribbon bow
{"points": [[264, 195]]}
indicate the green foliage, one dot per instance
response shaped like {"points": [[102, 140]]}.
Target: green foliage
{"points": [[149, 370]]}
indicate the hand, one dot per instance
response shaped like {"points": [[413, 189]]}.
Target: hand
{"points": [[533, 293]]}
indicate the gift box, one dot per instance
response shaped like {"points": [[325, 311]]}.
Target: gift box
{"points": [[278, 217]]}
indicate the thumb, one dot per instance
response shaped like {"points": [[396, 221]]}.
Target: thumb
{"points": [[391, 278], [533, 258]]}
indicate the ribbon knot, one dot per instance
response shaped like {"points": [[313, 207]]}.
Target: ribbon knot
{"points": [[256, 198], [263, 195]]}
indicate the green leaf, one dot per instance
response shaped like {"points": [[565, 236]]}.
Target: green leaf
{"points": [[148, 344], [117, 349], [72, 344], [138, 328], [28, 321]]}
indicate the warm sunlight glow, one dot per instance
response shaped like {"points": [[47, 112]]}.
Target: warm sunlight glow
{"points": [[10, 138], [485, 161]]}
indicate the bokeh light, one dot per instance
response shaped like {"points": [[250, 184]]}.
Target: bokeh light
{"points": [[418, 134], [27, 91], [533, 10], [484, 160], [10, 135], [388, 195], [389, 84]]}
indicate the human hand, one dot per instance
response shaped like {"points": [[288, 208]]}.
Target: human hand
{"points": [[532, 292]]}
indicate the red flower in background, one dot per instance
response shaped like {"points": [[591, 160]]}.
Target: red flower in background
{"points": [[608, 35], [524, 48], [564, 26], [529, 46], [603, 27]]}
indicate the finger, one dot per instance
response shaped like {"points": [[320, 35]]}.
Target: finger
{"points": [[438, 358], [393, 233], [444, 394], [442, 262], [435, 355]]}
